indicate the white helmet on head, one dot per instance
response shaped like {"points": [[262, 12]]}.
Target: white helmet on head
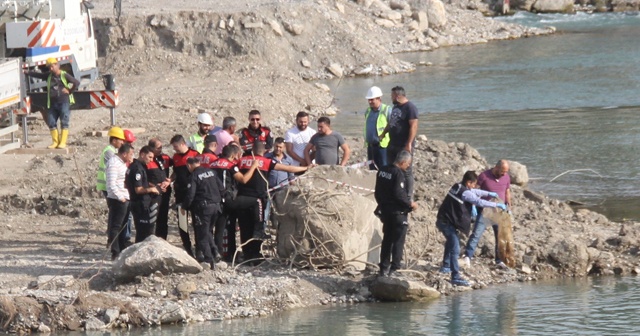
{"points": [[205, 118], [374, 92]]}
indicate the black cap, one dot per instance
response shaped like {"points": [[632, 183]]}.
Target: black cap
{"points": [[210, 138]]}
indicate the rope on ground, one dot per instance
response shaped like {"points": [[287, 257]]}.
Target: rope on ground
{"points": [[575, 171]]}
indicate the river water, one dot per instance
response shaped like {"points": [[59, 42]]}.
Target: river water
{"points": [[591, 306], [557, 103]]}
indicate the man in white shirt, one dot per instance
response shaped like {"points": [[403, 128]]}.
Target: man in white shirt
{"points": [[297, 138], [118, 199]]}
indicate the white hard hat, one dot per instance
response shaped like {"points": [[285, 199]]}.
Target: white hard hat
{"points": [[374, 92], [205, 118]]}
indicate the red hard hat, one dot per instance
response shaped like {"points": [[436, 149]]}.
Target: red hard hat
{"points": [[129, 137]]}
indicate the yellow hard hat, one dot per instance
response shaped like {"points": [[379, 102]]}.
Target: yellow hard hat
{"points": [[51, 60], [116, 132]]}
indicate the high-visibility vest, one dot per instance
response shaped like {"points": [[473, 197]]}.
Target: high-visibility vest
{"points": [[64, 82], [101, 185], [381, 124], [196, 142]]}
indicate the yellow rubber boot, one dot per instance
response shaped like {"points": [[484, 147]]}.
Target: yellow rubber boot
{"points": [[54, 138], [63, 138]]}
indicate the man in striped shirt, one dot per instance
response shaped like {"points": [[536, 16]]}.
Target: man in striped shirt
{"points": [[118, 199]]}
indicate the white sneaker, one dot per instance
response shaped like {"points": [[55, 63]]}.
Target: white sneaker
{"points": [[501, 265], [466, 262]]}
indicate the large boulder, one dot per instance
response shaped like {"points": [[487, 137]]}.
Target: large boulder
{"points": [[518, 173], [571, 255], [152, 255], [436, 13], [326, 219], [553, 6], [397, 289]]}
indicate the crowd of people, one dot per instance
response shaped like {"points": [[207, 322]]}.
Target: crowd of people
{"points": [[221, 177]]}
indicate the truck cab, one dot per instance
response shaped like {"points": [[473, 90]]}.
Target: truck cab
{"points": [[35, 30]]}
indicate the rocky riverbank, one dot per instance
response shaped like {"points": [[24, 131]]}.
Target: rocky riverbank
{"points": [[172, 62]]}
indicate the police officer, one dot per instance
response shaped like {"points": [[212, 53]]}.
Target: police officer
{"points": [[144, 211], [255, 132], [393, 206], [228, 219], [208, 157], [158, 175], [455, 215], [203, 198], [180, 178]]}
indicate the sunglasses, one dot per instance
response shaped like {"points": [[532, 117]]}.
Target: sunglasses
{"points": [[255, 119]]}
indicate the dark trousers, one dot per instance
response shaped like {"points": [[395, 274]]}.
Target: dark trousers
{"points": [[378, 155], [394, 228], [249, 210], [144, 219], [220, 226], [184, 235], [162, 223], [392, 153], [118, 217], [204, 218]]}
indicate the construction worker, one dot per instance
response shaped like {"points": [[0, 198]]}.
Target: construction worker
{"points": [[208, 157], [129, 137], [196, 140], [118, 199], [158, 174], [226, 134], [60, 88], [116, 139], [203, 199], [180, 178], [376, 119], [140, 191], [255, 132], [228, 219], [252, 196]]}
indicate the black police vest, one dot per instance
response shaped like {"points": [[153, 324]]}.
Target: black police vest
{"points": [[455, 211]]}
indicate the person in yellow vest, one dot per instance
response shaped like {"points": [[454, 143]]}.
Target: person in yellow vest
{"points": [[376, 119], [60, 88], [116, 139], [196, 140]]}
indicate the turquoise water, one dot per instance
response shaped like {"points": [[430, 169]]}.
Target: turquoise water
{"points": [[555, 103], [594, 306]]}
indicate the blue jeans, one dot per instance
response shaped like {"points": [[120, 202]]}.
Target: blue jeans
{"points": [[474, 239], [378, 155], [58, 110], [451, 248]]}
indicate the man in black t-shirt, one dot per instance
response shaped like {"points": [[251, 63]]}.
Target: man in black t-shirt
{"points": [[140, 192], [402, 129]]}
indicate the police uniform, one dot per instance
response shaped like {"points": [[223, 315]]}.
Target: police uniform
{"points": [[249, 136], [228, 219], [203, 198], [393, 206], [251, 201], [144, 213], [180, 189], [207, 158], [158, 172]]}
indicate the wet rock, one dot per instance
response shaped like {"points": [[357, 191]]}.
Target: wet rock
{"points": [[111, 315], [571, 255], [534, 196], [396, 289], [92, 323], [336, 69], [171, 313], [553, 6], [518, 173], [153, 255]]}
